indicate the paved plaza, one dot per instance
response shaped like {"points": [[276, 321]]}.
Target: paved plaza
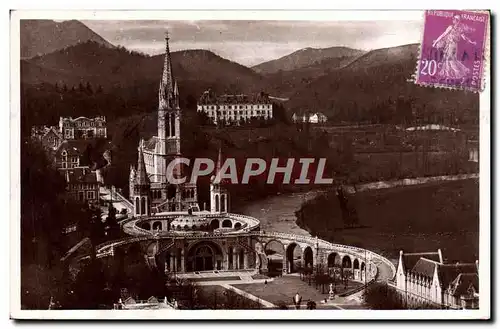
{"points": [[282, 289]]}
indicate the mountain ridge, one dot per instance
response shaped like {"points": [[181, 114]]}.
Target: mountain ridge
{"points": [[39, 37], [304, 57]]}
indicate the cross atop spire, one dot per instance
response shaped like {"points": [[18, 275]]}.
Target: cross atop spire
{"points": [[167, 94]]}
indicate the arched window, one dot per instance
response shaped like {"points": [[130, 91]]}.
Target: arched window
{"points": [[216, 202], [172, 123], [223, 203], [137, 208], [143, 206]]}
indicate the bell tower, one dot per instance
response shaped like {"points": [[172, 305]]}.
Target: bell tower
{"points": [[169, 114], [142, 195]]}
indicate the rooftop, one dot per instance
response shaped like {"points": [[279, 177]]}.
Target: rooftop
{"points": [[209, 97]]}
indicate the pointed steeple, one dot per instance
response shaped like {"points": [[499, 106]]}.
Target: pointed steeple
{"points": [[166, 93], [176, 89], [141, 176], [219, 161]]}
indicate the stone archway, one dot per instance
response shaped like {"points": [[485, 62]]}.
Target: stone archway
{"points": [[293, 257], [204, 256], [308, 258], [346, 262], [214, 224], [356, 264], [355, 267], [333, 259], [204, 259], [227, 223], [157, 226], [237, 226], [274, 251]]}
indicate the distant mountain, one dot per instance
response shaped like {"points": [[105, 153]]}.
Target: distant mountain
{"points": [[40, 36], [118, 67], [285, 83], [393, 55], [305, 57], [375, 87]]}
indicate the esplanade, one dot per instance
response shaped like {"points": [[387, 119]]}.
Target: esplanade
{"points": [[183, 242]]}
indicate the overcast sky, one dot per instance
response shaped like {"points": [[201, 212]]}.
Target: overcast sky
{"points": [[253, 42]]}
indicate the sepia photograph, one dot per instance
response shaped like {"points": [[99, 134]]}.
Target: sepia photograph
{"points": [[276, 163]]}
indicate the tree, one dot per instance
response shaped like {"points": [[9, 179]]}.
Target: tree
{"points": [[88, 89], [112, 227], [41, 217]]}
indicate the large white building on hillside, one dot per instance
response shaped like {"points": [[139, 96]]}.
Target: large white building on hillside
{"points": [[235, 108], [424, 278]]}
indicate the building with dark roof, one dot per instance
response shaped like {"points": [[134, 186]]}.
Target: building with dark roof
{"points": [[424, 278], [235, 108], [82, 184], [49, 137], [83, 127]]}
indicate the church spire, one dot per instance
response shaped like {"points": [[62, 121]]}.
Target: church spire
{"points": [[167, 83], [141, 176], [219, 161]]}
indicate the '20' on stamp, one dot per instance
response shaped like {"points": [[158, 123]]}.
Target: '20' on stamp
{"points": [[453, 49]]}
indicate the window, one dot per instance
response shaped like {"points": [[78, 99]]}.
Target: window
{"points": [[90, 195]]}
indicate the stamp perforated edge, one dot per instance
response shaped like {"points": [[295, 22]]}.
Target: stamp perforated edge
{"points": [[484, 67]]}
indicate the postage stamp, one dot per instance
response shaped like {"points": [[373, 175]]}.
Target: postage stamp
{"points": [[453, 49]]}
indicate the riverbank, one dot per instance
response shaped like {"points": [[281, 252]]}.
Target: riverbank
{"points": [[413, 218]]}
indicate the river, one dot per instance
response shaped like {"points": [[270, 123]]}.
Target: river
{"points": [[414, 219], [277, 213]]}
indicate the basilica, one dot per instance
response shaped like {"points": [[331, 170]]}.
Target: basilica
{"points": [[149, 189]]}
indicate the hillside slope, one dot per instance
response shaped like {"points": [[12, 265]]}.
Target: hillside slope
{"points": [[375, 88], [92, 62], [41, 36], [304, 57]]}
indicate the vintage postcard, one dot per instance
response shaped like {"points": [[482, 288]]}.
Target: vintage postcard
{"points": [[250, 165]]}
